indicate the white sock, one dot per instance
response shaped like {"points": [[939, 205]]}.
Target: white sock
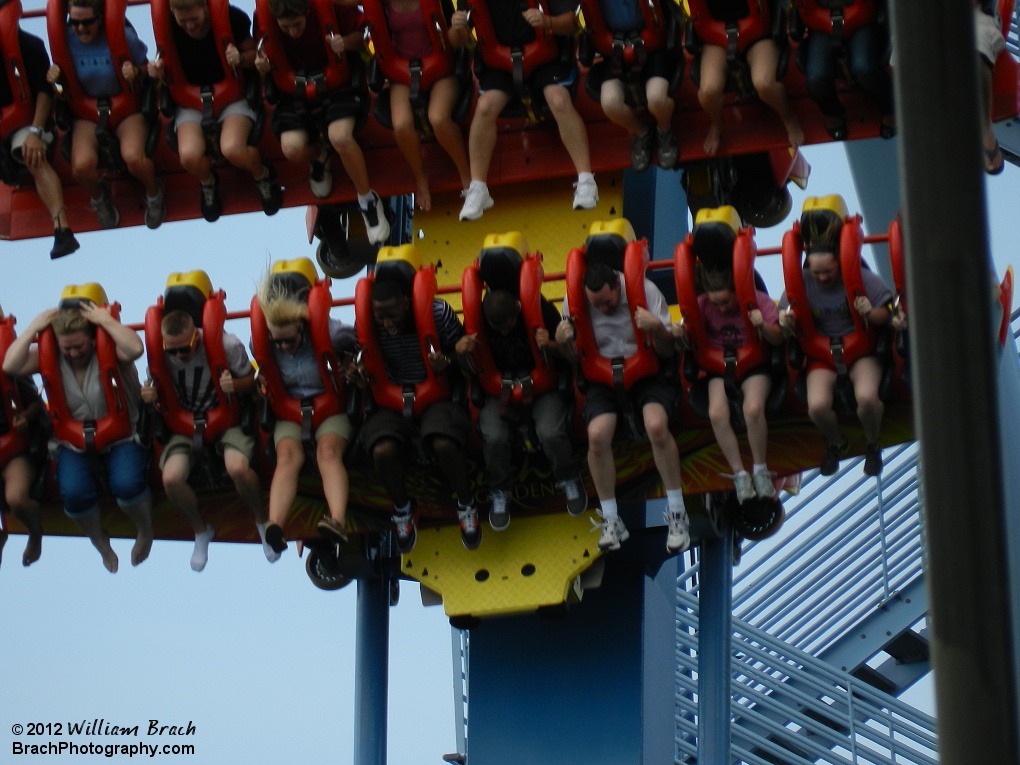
{"points": [[200, 555], [405, 510], [582, 177], [609, 508], [675, 501], [366, 200], [760, 468], [271, 555], [478, 185]]}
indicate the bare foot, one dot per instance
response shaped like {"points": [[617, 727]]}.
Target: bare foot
{"points": [[143, 545], [422, 196], [713, 139], [33, 550], [110, 559], [794, 132]]}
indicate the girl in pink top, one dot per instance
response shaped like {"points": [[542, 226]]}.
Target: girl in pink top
{"points": [[724, 325], [411, 40]]}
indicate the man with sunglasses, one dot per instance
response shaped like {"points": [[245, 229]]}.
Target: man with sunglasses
{"points": [[124, 463], [27, 142], [190, 370]]}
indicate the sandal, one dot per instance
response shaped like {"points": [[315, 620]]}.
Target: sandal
{"points": [[994, 161], [332, 530]]}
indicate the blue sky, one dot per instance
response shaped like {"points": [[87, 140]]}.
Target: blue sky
{"points": [[256, 657]]}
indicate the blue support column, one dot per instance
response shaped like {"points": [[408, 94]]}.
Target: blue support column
{"points": [[593, 686], [371, 676], [715, 631]]}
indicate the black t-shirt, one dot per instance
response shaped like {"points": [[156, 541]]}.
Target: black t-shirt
{"points": [[37, 61], [512, 352], [200, 59], [508, 19]]}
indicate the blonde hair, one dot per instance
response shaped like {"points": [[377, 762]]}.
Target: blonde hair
{"points": [[280, 306], [69, 321]]}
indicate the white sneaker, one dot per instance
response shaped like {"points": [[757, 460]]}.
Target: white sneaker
{"points": [[476, 201], [320, 179], [614, 533], [377, 225], [745, 487], [586, 195], [763, 485], [678, 534]]}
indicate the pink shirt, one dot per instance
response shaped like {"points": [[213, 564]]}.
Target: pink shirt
{"points": [[727, 329], [409, 33]]}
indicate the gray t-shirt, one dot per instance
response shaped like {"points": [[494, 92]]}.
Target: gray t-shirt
{"points": [[300, 370], [830, 309], [193, 381], [87, 401], [614, 333]]}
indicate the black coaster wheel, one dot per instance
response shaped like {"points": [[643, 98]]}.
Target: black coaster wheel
{"points": [[758, 519], [323, 569]]}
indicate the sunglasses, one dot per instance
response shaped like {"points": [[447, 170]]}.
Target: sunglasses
{"points": [[288, 342], [185, 349], [83, 22]]}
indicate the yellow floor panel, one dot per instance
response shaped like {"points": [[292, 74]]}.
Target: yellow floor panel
{"points": [[533, 563], [542, 212]]}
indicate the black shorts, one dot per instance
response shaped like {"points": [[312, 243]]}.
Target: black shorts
{"points": [[295, 114], [444, 418], [659, 63], [553, 73], [601, 399]]}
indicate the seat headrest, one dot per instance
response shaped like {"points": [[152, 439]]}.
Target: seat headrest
{"points": [[295, 276], [75, 294], [187, 292], [500, 261], [398, 264], [715, 231]]}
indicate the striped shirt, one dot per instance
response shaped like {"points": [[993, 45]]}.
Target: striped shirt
{"points": [[404, 358]]}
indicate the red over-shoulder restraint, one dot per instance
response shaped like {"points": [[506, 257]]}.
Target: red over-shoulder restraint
{"points": [[840, 21], [522, 59], [227, 411], [543, 377], [437, 65], [333, 400], [20, 111], [107, 112], [219, 95], [12, 442], [755, 352], [606, 41], [311, 86], [620, 372], [87, 435], [833, 352], [411, 400], [735, 35]]}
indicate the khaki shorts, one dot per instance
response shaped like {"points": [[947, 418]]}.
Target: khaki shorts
{"points": [[987, 36], [441, 419], [18, 140], [237, 109], [232, 438], [338, 424]]}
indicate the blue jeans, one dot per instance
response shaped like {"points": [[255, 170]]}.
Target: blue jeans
{"points": [[126, 466], [865, 52]]}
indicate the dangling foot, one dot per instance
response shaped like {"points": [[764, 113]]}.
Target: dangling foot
{"points": [[141, 549], [794, 132], [422, 195], [271, 555], [3, 541], [110, 559], [200, 555], [713, 139], [33, 549]]}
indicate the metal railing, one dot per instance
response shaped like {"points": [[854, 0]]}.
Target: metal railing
{"points": [[792, 708], [848, 546]]}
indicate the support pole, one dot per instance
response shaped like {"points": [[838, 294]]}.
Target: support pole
{"points": [[371, 674], [714, 639], [972, 615]]}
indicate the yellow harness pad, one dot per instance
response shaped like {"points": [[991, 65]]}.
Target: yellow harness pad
{"points": [[534, 563]]}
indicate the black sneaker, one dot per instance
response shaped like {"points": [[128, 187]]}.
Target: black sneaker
{"points": [[269, 191], [210, 202], [470, 530], [872, 459], [499, 510], [274, 537], [641, 150], [407, 533], [64, 243], [577, 497], [830, 462]]}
